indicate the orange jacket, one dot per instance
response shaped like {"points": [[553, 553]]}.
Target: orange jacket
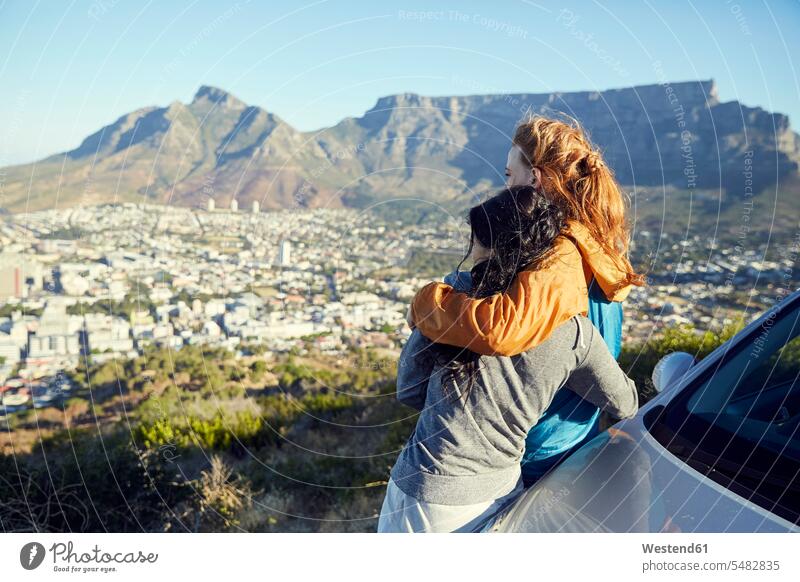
{"points": [[536, 303]]}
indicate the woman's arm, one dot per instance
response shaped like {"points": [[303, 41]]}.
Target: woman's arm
{"points": [[600, 380], [414, 370], [506, 324]]}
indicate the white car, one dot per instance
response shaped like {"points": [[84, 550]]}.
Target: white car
{"points": [[717, 450]]}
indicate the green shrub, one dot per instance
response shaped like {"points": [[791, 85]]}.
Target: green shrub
{"points": [[217, 433], [639, 360], [257, 370]]}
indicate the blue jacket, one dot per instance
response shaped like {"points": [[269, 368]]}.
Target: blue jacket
{"points": [[569, 421]]}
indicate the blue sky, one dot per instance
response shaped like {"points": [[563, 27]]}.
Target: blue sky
{"points": [[68, 68]]}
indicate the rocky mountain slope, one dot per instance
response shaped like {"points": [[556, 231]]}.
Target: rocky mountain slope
{"points": [[435, 148]]}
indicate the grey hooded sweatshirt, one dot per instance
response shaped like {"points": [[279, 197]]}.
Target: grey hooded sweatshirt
{"points": [[464, 449]]}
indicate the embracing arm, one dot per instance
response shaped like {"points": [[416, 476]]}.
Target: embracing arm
{"points": [[601, 381], [414, 369], [510, 323]]}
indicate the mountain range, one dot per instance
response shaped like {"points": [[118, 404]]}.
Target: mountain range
{"points": [[674, 136]]}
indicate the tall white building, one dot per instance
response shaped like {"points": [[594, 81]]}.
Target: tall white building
{"points": [[256, 207], [234, 205], [285, 253], [212, 205], [103, 333], [57, 334]]}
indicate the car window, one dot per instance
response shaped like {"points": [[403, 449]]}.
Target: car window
{"points": [[781, 367], [740, 423]]}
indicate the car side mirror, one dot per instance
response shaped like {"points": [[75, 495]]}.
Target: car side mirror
{"points": [[670, 369]]}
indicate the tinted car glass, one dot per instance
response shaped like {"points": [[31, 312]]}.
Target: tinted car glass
{"points": [[739, 424]]}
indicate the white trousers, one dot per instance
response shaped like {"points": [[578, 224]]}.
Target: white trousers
{"points": [[403, 513]]}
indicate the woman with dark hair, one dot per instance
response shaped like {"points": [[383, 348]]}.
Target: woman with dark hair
{"points": [[461, 466]]}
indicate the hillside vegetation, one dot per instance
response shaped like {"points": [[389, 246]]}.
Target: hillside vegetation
{"points": [[198, 441]]}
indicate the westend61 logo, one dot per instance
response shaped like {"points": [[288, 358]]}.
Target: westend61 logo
{"points": [[66, 559]]}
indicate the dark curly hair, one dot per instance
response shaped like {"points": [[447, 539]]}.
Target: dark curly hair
{"points": [[518, 226]]}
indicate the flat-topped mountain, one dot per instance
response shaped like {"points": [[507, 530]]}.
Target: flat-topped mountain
{"points": [[435, 148]]}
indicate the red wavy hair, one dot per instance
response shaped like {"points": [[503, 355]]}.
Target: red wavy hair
{"points": [[574, 176]]}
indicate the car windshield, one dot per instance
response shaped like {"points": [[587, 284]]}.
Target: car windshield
{"points": [[780, 370], [740, 423]]}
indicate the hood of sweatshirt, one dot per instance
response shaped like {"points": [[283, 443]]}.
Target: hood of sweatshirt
{"points": [[615, 280]]}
